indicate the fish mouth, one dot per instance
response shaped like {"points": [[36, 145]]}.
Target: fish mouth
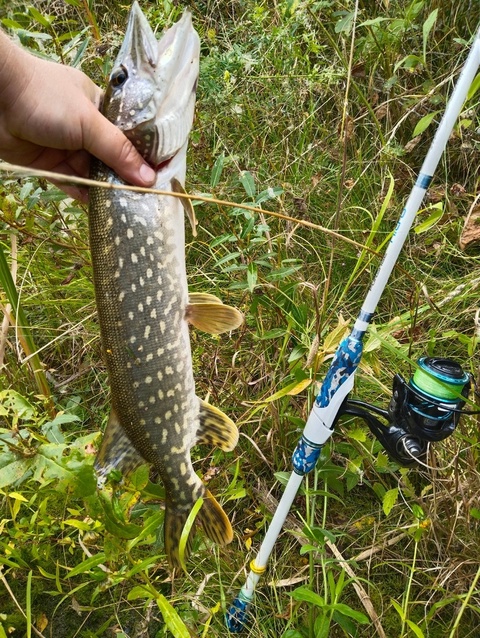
{"points": [[171, 66]]}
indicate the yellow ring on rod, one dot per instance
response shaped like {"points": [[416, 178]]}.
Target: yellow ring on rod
{"points": [[255, 569]]}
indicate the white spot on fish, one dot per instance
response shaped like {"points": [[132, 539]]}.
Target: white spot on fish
{"points": [[138, 218], [160, 351], [134, 287], [121, 296], [164, 435], [142, 281], [183, 469], [149, 357], [140, 307], [134, 258], [146, 334], [132, 112], [116, 240], [148, 380], [120, 262], [160, 394], [170, 393], [149, 273], [142, 251], [163, 326], [160, 378], [123, 202], [168, 370], [168, 415], [150, 241], [151, 399], [159, 295], [158, 420], [131, 315], [129, 233], [153, 314], [180, 366], [148, 300], [133, 338], [123, 218], [178, 429]]}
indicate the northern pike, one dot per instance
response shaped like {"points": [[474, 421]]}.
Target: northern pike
{"points": [[137, 243]]}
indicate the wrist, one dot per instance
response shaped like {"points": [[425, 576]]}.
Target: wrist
{"points": [[13, 70]]}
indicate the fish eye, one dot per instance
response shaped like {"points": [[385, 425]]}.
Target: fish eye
{"points": [[119, 77]]}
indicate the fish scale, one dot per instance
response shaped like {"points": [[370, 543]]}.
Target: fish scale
{"points": [[144, 308]]}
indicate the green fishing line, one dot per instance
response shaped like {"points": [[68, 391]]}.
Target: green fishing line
{"points": [[435, 387]]}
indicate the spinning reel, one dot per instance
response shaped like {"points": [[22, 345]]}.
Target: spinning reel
{"points": [[425, 409]]}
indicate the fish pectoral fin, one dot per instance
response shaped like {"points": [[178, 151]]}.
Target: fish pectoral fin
{"points": [[116, 451], [216, 428], [186, 203], [214, 521], [202, 297], [212, 317]]}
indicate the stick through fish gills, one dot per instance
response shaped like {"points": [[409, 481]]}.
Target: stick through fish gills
{"points": [[138, 252]]}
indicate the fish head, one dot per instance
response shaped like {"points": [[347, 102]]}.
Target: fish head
{"points": [[151, 91]]}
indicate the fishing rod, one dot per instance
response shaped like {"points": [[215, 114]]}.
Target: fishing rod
{"points": [[426, 408]]}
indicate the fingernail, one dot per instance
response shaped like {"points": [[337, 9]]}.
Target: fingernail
{"points": [[147, 173]]}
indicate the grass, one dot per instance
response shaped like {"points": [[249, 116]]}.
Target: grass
{"points": [[318, 101]]}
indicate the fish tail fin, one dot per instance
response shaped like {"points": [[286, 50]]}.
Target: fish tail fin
{"points": [[211, 517]]}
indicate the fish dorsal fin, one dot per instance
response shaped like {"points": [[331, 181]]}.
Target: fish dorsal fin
{"points": [[216, 428], [186, 203], [116, 452], [209, 314]]}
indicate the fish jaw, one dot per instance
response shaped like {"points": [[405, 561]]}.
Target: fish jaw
{"points": [[151, 91]]}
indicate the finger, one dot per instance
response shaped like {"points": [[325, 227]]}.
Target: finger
{"points": [[104, 140]]}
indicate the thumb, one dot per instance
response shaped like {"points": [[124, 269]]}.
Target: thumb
{"points": [[107, 142]]}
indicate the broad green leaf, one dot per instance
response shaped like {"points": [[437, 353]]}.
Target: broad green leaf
{"points": [[13, 472], [269, 193], [344, 24], [474, 86], [45, 21], [217, 170], [18, 497], [432, 219], [87, 565], [116, 527], [307, 596], [398, 609], [187, 528], [150, 526], [427, 27], [252, 275], [424, 123], [346, 610], [173, 621], [248, 183], [416, 629], [389, 499], [139, 592]]}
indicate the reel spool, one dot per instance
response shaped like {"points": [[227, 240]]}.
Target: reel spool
{"points": [[426, 409]]}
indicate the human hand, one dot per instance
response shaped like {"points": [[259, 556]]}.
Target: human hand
{"points": [[49, 119]]}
